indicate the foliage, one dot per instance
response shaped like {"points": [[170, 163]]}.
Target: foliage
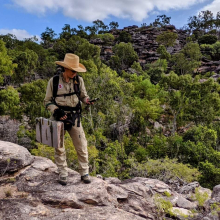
{"points": [[212, 50], [190, 99], [163, 169], [124, 37], [187, 60], [200, 197], [124, 56], [98, 27], [121, 127], [26, 63], [78, 46], [167, 38], [210, 171], [32, 96], [9, 103], [207, 39], [215, 207], [6, 66], [163, 52], [105, 37], [113, 25], [163, 205], [161, 21], [47, 37], [10, 41], [204, 21]]}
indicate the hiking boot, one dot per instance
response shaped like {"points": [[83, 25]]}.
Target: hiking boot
{"points": [[62, 180], [86, 178]]}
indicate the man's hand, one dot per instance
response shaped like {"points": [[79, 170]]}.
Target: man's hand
{"points": [[59, 114], [88, 102]]}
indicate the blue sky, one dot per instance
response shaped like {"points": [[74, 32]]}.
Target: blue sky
{"points": [[26, 18]]}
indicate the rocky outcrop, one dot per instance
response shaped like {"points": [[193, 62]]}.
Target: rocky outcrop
{"points": [[32, 192], [144, 43], [209, 66]]}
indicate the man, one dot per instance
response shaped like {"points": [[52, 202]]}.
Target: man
{"points": [[65, 106]]}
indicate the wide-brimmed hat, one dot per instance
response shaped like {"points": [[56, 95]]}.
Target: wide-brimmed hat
{"points": [[71, 61]]}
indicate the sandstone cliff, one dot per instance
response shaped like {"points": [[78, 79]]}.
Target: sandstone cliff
{"points": [[29, 191], [145, 44]]}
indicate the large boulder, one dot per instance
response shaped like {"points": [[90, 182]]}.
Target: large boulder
{"points": [[8, 129], [13, 157], [216, 193]]}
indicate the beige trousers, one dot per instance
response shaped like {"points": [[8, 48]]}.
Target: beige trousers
{"points": [[80, 143]]}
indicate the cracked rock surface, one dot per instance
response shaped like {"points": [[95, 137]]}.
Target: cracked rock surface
{"points": [[29, 190]]}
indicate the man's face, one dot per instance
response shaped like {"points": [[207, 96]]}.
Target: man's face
{"points": [[70, 73]]}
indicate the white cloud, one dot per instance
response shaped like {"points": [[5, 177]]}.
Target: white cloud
{"points": [[20, 34], [90, 10], [214, 7]]}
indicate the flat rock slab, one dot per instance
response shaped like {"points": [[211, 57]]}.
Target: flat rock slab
{"points": [[13, 157], [33, 193]]}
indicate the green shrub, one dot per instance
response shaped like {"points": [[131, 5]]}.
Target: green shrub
{"points": [[167, 38], [124, 37], [215, 208], [9, 102], [200, 197], [163, 205], [164, 170], [207, 39], [209, 172], [105, 37]]}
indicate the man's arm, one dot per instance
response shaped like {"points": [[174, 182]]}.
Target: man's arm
{"points": [[83, 94], [48, 100]]}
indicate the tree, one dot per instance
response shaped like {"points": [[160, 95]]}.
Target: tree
{"points": [[82, 48], [47, 37], [98, 28], [191, 100], [32, 96], [167, 38], [124, 37], [187, 59], [81, 32], [161, 21], [124, 56], [26, 63], [67, 32], [204, 21], [9, 102], [207, 39], [207, 20], [60, 48], [6, 66], [10, 40], [113, 25], [163, 52], [217, 20]]}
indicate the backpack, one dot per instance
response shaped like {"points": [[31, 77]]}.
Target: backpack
{"points": [[75, 111]]}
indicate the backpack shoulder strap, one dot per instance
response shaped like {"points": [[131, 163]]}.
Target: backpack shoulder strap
{"points": [[76, 84], [55, 85]]}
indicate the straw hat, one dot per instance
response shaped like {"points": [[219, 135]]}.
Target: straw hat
{"points": [[71, 61]]}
